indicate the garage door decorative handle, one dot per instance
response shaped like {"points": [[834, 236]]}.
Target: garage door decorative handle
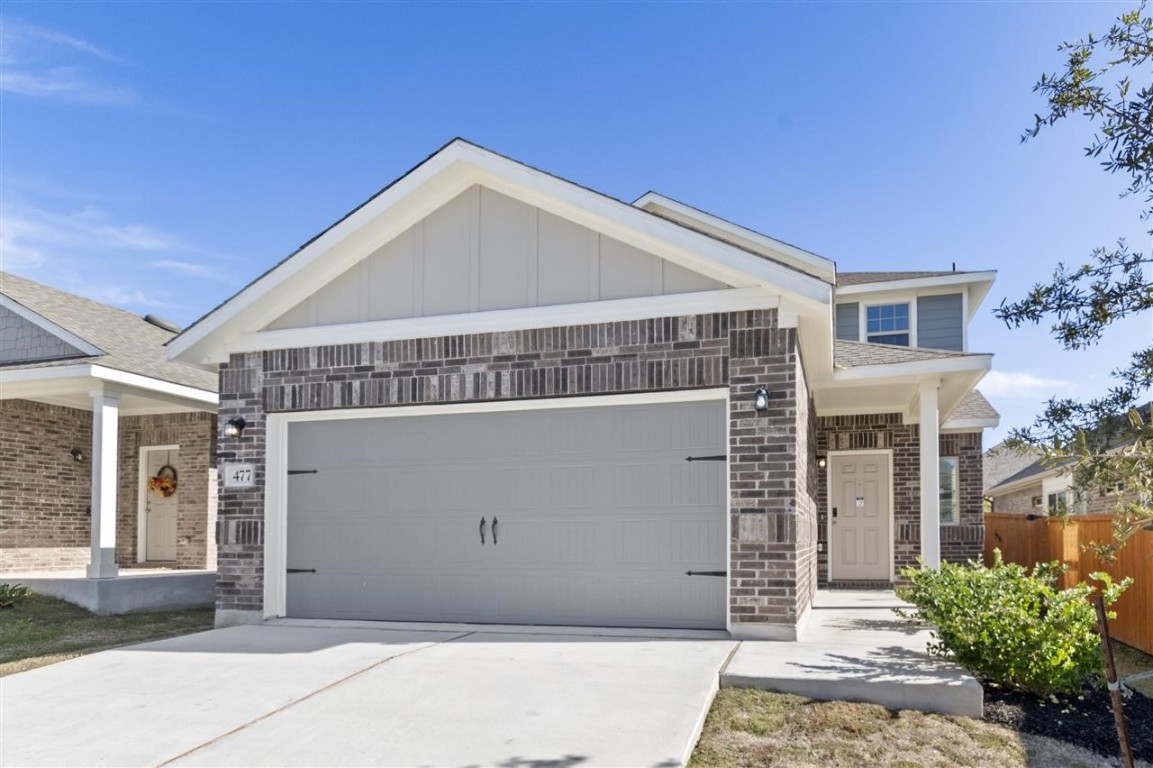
{"points": [[482, 531], [494, 530]]}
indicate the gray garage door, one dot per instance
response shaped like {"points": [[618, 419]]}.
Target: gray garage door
{"points": [[578, 516]]}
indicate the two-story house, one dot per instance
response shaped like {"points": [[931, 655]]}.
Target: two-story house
{"points": [[491, 395]]}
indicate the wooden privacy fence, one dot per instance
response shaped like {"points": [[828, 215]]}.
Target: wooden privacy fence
{"points": [[1044, 539]]}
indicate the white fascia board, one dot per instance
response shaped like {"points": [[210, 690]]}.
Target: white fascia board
{"points": [[48, 373], [1023, 483], [81, 378], [918, 369], [47, 325], [155, 386], [273, 280], [918, 283], [703, 302], [818, 266], [970, 425]]}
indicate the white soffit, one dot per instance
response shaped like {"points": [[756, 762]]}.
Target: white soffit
{"points": [[434, 183]]}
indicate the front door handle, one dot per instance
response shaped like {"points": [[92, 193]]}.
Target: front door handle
{"points": [[494, 530], [482, 531]]}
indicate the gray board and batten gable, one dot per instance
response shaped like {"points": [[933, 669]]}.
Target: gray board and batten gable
{"points": [[485, 251]]}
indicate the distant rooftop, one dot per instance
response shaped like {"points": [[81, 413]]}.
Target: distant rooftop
{"points": [[861, 278]]}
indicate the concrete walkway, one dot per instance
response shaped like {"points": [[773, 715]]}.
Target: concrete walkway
{"points": [[352, 696], [855, 648]]}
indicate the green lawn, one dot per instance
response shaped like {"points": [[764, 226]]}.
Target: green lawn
{"points": [[43, 630]]}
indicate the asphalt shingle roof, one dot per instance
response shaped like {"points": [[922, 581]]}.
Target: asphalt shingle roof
{"points": [[1000, 464], [860, 278], [854, 354], [129, 343], [974, 406]]}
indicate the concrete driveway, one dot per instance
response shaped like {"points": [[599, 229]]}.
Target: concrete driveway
{"points": [[349, 696]]}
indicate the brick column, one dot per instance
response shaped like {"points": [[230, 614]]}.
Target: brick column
{"points": [[763, 480]]}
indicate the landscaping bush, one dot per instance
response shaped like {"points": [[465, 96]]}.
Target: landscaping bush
{"points": [[1010, 626], [12, 594]]}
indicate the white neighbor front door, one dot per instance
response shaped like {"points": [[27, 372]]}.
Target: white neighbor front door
{"points": [[860, 532], [159, 512]]}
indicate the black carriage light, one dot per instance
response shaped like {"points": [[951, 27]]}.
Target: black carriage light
{"points": [[822, 462], [77, 455], [235, 427], [761, 399]]}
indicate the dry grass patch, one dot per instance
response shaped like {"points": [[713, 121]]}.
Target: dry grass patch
{"points": [[1131, 661], [749, 728], [42, 630]]}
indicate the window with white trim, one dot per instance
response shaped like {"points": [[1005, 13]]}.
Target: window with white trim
{"points": [[888, 324], [950, 489]]}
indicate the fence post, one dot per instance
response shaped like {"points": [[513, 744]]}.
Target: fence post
{"points": [[1065, 547]]}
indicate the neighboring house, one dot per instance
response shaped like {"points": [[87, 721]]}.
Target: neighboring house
{"points": [[90, 409], [1001, 463], [1038, 489], [491, 395]]}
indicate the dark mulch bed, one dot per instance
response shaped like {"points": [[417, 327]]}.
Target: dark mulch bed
{"points": [[1086, 720]]}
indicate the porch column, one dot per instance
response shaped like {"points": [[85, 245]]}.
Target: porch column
{"points": [[105, 460], [930, 474]]}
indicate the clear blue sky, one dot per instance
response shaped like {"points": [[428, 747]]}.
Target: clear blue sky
{"points": [[159, 156]]}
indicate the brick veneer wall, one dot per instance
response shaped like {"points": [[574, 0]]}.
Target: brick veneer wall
{"points": [[741, 350], [886, 431], [195, 433], [1019, 502], [44, 494]]}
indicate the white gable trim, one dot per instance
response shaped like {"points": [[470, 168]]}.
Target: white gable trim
{"points": [[811, 263], [728, 300], [435, 182], [50, 327]]}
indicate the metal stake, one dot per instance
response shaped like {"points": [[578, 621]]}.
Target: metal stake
{"points": [[1114, 686]]}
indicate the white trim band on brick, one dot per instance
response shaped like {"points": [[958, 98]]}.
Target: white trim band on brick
{"points": [[496, 321]]}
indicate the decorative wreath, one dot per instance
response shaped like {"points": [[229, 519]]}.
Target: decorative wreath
{"points": [[163, 484]]}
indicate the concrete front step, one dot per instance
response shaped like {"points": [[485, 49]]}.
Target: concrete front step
{"points": [[895, 677]]}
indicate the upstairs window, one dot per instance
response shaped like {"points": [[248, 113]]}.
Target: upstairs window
{"points": [[887, 324]]}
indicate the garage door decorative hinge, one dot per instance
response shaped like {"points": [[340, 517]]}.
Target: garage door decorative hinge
{"points": [[706, 573], [301, 570], [303, 471], [721, 457]]}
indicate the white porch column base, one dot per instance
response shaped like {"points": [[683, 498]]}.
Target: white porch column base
{"points": [[930, 474], [105, 461]]}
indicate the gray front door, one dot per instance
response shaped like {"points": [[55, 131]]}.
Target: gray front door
{"points": [[589, 516]]}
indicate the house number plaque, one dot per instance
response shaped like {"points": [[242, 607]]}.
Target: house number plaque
{"points": [[239, 476]]}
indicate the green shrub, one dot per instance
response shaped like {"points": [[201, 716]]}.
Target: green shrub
{"points": [[1012, 627], [12, 594]]}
